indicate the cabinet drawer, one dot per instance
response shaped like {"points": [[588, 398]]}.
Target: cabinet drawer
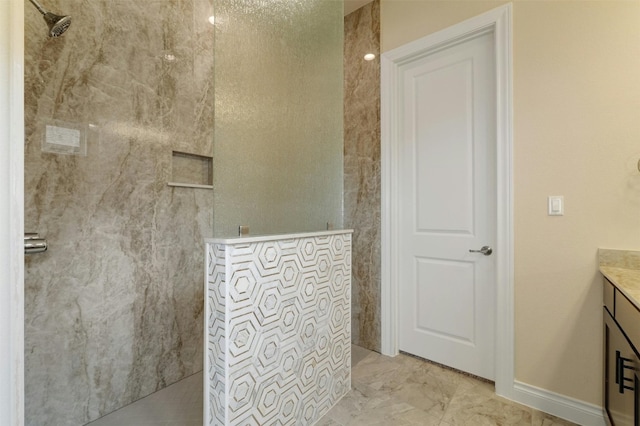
{"points": [[628, 317], [609, 290]]}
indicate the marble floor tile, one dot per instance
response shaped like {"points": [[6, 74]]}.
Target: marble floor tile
{"points": [[406, 390], [399, 391], [538, 418], [358, 354]]}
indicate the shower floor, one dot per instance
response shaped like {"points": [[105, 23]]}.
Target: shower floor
{"points": [[177, 405], [385, 391]]}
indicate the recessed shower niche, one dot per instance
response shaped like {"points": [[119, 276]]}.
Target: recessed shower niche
{"points": [[191, 170]]}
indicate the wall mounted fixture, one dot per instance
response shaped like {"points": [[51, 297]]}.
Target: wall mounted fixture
{"points": [[57, 24]]}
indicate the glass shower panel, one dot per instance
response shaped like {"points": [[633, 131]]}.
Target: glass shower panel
{"points": [[278, 150]]}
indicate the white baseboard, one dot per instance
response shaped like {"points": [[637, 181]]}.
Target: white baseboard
{"points": [[567, 408]]}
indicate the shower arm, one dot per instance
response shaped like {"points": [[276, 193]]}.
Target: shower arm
{"points": [[57, 24], [39, 7]]}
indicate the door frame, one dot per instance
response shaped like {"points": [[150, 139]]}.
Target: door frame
{"points": [[12, 217], [500, 21]]}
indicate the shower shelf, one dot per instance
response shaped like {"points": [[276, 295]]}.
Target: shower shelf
{"points": [[191, 170], [189, 185]]}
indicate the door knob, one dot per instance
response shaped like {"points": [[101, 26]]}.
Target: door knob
{"points": [[486, 250]]}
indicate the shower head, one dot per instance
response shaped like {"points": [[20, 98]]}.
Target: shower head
{"points": [[57, 24]]}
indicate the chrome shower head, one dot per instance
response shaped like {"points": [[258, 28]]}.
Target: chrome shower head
{"points": [[57, 24]]}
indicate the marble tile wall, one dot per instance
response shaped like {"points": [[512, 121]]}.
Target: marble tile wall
{"points": [[362, 168], [278, 328], [114, 308]]}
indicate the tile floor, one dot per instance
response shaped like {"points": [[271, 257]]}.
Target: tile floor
{"points": [[385, 391], [405, 390]]}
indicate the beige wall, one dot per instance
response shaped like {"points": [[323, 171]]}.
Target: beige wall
{"points": [[576, 133]]}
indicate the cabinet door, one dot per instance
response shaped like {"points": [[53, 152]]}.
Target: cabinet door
{"points": [[620, 376]]}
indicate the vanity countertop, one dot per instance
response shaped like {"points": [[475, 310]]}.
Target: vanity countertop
{"points": [[622, 268]]}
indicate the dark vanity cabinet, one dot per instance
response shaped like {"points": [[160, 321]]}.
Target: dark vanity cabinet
{"points": [[621, 365]]}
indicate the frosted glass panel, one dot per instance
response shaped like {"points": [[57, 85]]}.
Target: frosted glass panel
{"points": [[278, 115]]}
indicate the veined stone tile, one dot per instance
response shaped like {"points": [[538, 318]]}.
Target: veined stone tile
{"points": [[543, 419], [362, 168], [476, 406], [113, 310], [363, 405]]}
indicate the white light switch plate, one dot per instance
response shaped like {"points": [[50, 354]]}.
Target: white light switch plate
{"points": [[556, 205]]}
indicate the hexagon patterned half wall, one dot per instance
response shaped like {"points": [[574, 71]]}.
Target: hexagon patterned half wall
{"points": [[278, 328]]}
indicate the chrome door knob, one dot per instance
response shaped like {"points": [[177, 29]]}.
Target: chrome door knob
{"points": [[486, 250]]}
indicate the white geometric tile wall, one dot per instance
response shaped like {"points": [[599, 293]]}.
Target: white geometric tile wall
{"points": [[278, 321]]}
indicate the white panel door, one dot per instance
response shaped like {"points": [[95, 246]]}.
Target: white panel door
{"points": [[447, 205]]}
